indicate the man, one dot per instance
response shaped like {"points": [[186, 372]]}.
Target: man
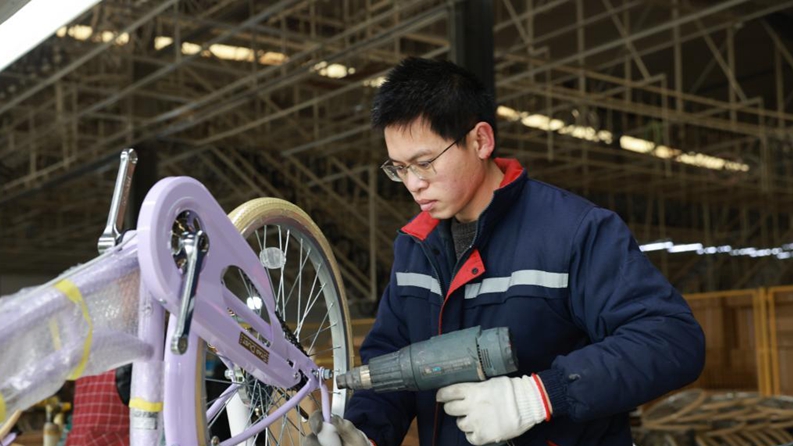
{"points": [[596, 328]]}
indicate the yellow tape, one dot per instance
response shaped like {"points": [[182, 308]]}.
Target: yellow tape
{"points": [[71, 291], [140, 403], [55, 333], [2, 408]]}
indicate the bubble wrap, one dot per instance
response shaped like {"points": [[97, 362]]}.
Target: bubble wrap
{"points": [[43, 333]]}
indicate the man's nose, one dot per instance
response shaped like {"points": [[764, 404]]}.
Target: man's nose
{"points": [[414, 182]]}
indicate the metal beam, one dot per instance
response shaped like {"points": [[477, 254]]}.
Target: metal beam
{"points": [[721, 6], [471, 39]]}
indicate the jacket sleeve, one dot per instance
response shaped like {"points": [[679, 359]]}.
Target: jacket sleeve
{"points": [[645, 341], [384, 417]]}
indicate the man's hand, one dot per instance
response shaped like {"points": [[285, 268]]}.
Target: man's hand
{"points": [[339, 432], [497, 409]]}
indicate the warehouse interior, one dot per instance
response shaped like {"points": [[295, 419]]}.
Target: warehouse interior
{"points": [[676, 114]]}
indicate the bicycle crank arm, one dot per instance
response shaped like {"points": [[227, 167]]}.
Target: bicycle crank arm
{"points": [[195, 246], [118, 205]]}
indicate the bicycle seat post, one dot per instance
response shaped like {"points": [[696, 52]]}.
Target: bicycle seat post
{"points": [[118, 205]]}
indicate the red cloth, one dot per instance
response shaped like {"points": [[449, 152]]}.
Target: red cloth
{"points": [[99, 417]]}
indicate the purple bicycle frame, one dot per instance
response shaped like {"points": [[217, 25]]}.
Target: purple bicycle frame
{"points": [[278, 363]]}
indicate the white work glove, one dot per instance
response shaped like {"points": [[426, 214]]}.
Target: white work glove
{"points": [[497, 409], [339, 432]]}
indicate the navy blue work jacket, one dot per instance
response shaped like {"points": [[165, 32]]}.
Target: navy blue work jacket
{"points": [[588, 313]]}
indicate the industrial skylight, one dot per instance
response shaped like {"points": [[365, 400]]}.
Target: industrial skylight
{"points": [[225, 52], [631, 143], [218, 50], [780, 252], [84, 32], [334, 70], [374, 82]]}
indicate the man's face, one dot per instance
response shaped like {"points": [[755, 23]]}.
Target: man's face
{"points": [[454, 178]]}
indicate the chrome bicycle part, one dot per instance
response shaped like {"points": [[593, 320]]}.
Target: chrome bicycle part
{"points": [[195, 246], [185, 223], [118, 205], [235, 375]]}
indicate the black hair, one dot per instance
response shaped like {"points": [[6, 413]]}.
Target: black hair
{"points": [[449, 97]]}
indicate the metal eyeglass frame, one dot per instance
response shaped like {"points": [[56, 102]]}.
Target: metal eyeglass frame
{"points": [[419, 169]]}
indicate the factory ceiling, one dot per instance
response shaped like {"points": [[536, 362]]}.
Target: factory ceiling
{"points": [[676, 114]]}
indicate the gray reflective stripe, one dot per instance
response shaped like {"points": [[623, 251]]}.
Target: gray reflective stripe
{"points": [[523, 277], [420, 281]]}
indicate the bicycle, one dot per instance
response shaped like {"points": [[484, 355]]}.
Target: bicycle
{"points": [[228, 305]]}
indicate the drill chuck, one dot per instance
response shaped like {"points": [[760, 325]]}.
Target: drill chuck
{"points": [[468, 355], [357, 378]]}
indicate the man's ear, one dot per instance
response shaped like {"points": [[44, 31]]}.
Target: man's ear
{"points": [[483, 140]]}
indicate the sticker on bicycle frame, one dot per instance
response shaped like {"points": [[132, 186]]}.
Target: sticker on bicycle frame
{"points": [[254, 348], [143, 419]]}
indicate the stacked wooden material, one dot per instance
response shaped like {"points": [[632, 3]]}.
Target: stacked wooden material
{"points": [[702, 418]]}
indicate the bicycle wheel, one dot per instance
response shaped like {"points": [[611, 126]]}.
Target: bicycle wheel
{"points": [[312, 307]]}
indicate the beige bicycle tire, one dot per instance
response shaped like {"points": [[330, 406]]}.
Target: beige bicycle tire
{"points": [[6, 427]]}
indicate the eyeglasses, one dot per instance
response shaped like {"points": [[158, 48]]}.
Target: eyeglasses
{"points": [[423, 170]]}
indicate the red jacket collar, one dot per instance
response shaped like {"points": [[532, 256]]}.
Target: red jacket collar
{"points": [[511, 168], [421, 226]]}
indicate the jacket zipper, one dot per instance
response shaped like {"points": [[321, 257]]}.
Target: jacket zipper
{"points": [[456, 269], [434, 267]]}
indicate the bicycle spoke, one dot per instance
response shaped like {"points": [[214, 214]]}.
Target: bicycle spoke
{"points": [[281, 433], [292, 289], [316, 298], [248, 290], [336, 347], [319, 331], [285, 248], [260, 241], [299, 280], [314, 399], [281, 283], [316, 335], [308, 306], [219, 381]]}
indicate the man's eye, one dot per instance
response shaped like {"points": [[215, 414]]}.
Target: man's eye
{"points": [[424, 165]]}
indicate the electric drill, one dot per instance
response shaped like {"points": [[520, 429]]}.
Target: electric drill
{"points": [[468, 355]]}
